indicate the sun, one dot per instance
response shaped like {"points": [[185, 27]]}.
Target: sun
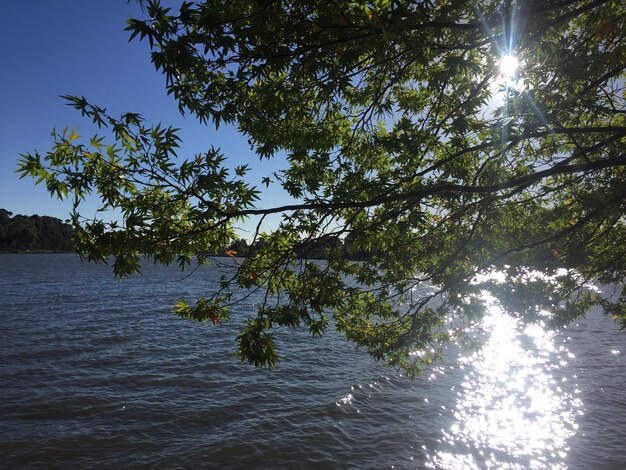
{"points": [[508, 66]]}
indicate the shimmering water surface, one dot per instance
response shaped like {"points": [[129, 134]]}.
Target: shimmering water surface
{"points": [[96, 372]]}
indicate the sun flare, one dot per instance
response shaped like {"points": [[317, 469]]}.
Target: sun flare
{"points": [[508, 66]]}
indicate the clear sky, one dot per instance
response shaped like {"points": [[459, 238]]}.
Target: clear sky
{"points": [[79, 47]]}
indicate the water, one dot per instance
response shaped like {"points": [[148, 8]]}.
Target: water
{"points": [[96, 372]]}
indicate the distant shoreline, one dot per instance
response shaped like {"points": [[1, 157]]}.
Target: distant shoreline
{"points": [[33, 252], [34, 234]]}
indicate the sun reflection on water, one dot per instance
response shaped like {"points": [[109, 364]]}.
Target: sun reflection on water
{"points": [[513, 410]]}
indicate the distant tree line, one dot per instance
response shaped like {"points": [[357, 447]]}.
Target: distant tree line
{"points": [[318, 248], [33, 233], [43, 233]]}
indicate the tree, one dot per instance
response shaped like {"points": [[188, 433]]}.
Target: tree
{"points": [[443, 139], [20, 233], [33, 233]]}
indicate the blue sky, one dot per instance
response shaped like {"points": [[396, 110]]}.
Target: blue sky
{"points": [[78, 47]]}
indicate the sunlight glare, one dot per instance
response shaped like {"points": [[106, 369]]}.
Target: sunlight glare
{"points": [[512, 412], [508, 66]]}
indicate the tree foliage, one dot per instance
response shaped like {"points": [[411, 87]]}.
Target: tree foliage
{"points": [[402, 136], [27, 233]]}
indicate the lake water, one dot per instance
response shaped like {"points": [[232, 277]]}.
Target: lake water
{"points": [[97, 372]]}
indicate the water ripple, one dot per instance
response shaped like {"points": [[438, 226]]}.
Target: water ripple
{"points": [[96, 373]]}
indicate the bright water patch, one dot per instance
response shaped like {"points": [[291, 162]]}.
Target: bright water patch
{"points": [[514, 407]]}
